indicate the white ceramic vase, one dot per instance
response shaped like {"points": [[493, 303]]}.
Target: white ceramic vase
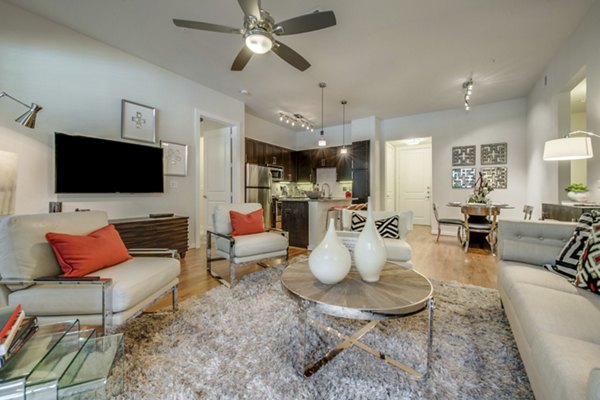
{"points": [[369, 251], [330, 261]]}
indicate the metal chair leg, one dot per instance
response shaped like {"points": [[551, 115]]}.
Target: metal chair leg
{"points": [[467, 238], [439, 232]]}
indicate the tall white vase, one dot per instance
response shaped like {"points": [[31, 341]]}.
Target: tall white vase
{"points": [[369, 251], [330, 261]]}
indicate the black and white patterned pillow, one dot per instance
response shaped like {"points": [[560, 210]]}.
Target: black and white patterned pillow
{"points": [[588, 272], [568, 260], [387, 227]]}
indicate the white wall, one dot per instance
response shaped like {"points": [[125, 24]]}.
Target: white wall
{"points": [[579, 52], [491, 123], [265, 131], [80, 83]]}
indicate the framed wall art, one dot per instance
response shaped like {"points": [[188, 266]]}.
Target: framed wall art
{"points": [[138, 122], [463, 155], [175, 156], [463, 178], [497, 175], [494, 153]]}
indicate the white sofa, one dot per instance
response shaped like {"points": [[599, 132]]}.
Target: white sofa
{"points": [[556, 325], [126, 289], [398, 250]]}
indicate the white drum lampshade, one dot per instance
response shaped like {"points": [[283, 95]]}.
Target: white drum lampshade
{"points": [[569, 148]]}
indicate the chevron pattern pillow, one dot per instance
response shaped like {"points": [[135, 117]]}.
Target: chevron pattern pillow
{"points": [[588, 271], [568, 260], [387, 227]]}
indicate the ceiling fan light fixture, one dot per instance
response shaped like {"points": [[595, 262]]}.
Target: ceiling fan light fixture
{"points": [[259, 41]]}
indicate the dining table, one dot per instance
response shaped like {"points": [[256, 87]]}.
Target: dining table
{"points": [[480, 218]]}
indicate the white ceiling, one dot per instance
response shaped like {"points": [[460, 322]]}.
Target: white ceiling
{"points": [[388, 58]]}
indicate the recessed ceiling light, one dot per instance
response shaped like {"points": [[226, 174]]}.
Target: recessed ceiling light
{"points": [[244, 92]]}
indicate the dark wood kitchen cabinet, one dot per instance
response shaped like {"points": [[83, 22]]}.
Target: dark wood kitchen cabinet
{"points": [[294, 220], [360, 171], [343, 165], [304, 169]]}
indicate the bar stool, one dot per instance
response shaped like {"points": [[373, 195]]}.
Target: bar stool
{"points": [[336, 214]]}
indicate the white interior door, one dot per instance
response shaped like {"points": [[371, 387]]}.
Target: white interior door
{"points": [[390, 178], [413, 181], [218, 170]]}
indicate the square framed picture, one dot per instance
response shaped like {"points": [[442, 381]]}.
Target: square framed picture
{"points": [[138, 122], [175, 157]]}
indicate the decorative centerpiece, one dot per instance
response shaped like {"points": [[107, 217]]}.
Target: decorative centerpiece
{"points": [[369, 252], [577, 192], [481, 189], [330, 261]]}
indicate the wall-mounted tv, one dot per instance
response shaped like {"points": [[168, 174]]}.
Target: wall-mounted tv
{"points": [[91, 165]]}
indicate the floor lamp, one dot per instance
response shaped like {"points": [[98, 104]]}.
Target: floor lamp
{"points": [[570, 147], [28, 118]]}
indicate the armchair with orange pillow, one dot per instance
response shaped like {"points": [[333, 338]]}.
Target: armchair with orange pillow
{"points": [[71, 265], [241, 238]]}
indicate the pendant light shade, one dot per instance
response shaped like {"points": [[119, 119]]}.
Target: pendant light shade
{"points": [[344, 150], [322, 141]]}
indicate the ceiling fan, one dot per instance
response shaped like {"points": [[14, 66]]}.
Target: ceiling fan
{"points": [[258, 31]]}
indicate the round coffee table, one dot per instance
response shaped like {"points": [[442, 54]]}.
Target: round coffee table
{"points": [[400, 292]]}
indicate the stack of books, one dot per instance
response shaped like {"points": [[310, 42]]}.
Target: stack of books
{"points": [[15, 329]]}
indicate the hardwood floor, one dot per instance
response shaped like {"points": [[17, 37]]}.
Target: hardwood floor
{"points": [[444, 260]]}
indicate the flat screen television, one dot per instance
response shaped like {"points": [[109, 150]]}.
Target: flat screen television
{"points": [[91, 165]]}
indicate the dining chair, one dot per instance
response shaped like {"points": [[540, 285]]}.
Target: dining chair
{"points": [[480, 219], [459, 223], [527, 211]]}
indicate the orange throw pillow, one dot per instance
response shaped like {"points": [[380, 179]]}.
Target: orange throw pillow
{"points": [[245, 224], [81, 255]]}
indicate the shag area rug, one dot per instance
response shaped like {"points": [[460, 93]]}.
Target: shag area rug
{"points": [[240, 343]]}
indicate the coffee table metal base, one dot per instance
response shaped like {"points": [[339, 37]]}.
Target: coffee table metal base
{"points": [[308, 369]]}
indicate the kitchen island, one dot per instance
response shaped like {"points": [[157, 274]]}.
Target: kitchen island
{"points": [[306, 219]]}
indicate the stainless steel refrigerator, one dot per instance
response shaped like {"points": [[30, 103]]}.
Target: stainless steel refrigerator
{"points": [[258, 189]]}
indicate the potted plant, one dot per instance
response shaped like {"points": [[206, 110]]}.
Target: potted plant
{"points": [[577, 192], [480, 191]]}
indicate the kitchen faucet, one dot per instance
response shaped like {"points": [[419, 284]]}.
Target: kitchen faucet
{"points": [[328, 190]]}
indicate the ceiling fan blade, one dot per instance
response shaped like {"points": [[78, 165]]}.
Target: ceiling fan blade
{"points": [[250, 7], [205, 26], [305, 23], [290, 56], [242, 59]]}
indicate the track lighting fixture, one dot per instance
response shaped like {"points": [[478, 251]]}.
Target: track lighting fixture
{"points": [[296, 119], [468, 90], [322, 141]]}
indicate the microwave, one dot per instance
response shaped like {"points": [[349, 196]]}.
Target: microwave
{"points": [[276, 172]]}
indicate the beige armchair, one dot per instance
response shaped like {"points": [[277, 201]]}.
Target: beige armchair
{"points": [[245, 249], [27, 262]]}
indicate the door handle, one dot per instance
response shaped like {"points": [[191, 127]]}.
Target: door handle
{"points": [[204, 196]]}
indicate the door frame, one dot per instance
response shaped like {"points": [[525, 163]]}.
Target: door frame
{"points": [[237, 148], [426, 142]]}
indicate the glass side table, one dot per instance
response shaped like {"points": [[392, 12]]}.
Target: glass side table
{"points": [[62, 361]]}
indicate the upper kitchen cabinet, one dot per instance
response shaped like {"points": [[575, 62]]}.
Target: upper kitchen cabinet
{"points": [[304, 166], [360, 171], [360, 154], [262, 153], [343, 166]]}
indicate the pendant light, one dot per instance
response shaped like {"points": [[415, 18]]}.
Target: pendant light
{"points": [[344, 150], [322, 141]]}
